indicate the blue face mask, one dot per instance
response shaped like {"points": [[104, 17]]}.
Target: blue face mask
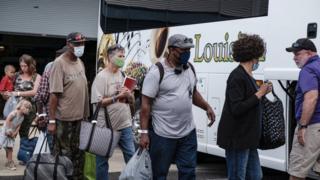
{"points": [[255, 66], [184, 57]]}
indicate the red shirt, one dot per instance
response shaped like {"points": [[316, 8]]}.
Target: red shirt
{"points": [[6, 84]]}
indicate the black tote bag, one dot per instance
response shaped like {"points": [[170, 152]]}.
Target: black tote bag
{"points": [[273, 126]]}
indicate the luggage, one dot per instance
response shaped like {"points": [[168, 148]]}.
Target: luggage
{"points": [[27, 146], [45, 166]]}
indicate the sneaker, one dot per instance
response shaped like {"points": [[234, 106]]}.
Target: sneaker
{"points": [[7, 164], [12, 166]]}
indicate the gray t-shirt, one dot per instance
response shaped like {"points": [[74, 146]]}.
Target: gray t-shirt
{"points": [[172, 106], [107, 84]]}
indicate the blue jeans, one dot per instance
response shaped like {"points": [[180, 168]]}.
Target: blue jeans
{"points": [[243, 164], [126, 145], [182, 151]]}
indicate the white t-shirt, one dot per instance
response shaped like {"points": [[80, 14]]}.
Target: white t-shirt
{"points": [[172, 106]]}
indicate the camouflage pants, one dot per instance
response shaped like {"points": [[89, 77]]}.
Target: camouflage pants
{"points": [[68, 136]]}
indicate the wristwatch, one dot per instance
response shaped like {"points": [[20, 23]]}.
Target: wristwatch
{"points": [[302, 126]]}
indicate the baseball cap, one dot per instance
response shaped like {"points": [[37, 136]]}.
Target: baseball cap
{"points": [[302, 43], [180, 41], [75, 37]]}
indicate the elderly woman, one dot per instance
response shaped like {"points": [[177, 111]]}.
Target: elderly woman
{"points": [[107, 88], [26, 86]]}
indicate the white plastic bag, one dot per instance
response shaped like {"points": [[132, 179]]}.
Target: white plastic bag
{"points": [[2, 135], [10, 105], [45, 149], [139, 167]]}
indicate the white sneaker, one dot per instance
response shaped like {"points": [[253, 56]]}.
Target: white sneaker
{"points": [[12, 166]]}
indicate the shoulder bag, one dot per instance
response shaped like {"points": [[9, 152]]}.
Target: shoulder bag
{"points": [[98, 140], [273, 127]]}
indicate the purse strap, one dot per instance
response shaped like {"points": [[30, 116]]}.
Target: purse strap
{"points": [[108, 124], [107, 118], [96, 112], [274, 94], [35, 171]]}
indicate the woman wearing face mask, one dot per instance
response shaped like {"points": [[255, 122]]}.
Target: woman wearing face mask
{"points": [[107, 89], [240, 125]]}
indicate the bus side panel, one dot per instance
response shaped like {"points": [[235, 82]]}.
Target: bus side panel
{"points": [[200, 118]]}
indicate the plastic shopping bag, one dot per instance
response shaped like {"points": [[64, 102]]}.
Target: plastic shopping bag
{"points": [[139, 167], [10, 105], [89, 170], [2, 136], [46, 148]]}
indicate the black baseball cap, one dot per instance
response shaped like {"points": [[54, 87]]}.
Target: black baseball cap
{"points": [[300, 44], [76, 37]]}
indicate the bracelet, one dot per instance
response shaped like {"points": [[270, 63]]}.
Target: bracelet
{"points": [[52, 121], [301, 126], [142, 131]]}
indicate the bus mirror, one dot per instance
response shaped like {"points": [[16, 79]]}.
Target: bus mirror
{"points": [[312, 30]]}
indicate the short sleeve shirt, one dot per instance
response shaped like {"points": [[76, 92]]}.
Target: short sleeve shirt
{"points": [[172, 106], [69, 82], [309, 79], [107, 84], [6, 84]]}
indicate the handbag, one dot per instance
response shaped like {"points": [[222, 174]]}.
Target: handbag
{"points": [[47, 166], [27, 146], [273, 126], [98, 140]]}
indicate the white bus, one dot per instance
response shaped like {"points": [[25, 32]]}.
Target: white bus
{"points": [[285, 21]]}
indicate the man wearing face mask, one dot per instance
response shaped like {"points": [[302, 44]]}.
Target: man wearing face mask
{"points": [[69, 101], [305, 151], [107, 89], [169, 106]]}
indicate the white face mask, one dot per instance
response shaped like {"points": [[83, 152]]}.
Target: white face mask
{"points": [[78, 51]]}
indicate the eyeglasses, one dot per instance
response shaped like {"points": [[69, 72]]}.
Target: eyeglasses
{"points": [[114, 47]]}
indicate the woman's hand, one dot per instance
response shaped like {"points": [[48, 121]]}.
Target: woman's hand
{"points": [[264, 89], [124, 94]]}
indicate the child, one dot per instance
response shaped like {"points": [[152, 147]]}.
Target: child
{"points": [[11, 129], [6, 83]]}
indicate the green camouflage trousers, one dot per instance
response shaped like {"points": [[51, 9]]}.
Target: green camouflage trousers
{"points": [[68, 135]]}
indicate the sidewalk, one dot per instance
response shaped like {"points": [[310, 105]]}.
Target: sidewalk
{"points": [[116, 163]]}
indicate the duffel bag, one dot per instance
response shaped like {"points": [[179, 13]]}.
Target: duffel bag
{"points": [[45, 166]]}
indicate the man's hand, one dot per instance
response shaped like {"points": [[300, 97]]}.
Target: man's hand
{"points": [[211, 116], [144, 140], [301, 136], [52, 128]]}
